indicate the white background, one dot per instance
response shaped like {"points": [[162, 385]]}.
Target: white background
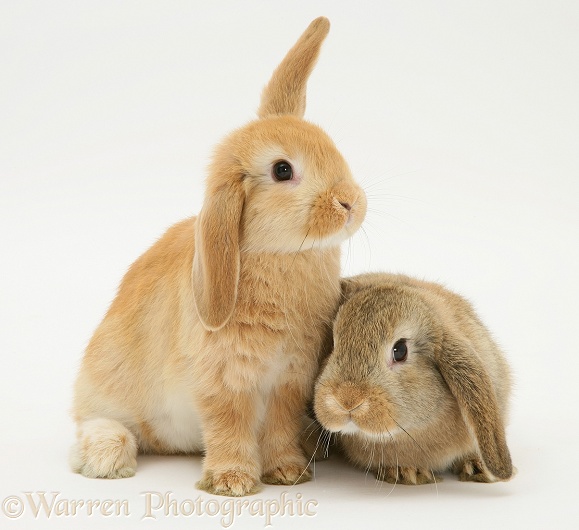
{"points": [[459, 118]]}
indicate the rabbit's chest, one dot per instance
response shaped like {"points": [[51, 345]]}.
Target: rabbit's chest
{"points": [[287, 295]]}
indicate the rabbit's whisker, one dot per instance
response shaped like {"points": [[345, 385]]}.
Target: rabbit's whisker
{"points": [[396, 453], [370, 460], [419, 446], [328, 439]]}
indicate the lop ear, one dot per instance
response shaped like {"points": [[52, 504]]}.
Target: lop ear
{"points": [[473, 390], [354, 284], [286, 91], [350, 286], [216, 261]]}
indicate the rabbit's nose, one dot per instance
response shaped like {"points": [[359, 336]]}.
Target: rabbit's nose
{"points": [[342, 406], [349, 398], [339, 202], [350, 405]]}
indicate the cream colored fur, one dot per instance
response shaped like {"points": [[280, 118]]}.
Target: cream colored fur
{"points": [[212, 342]]}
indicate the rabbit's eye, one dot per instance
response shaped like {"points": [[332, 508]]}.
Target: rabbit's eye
{"points": [[282, 170], [400, 351]]}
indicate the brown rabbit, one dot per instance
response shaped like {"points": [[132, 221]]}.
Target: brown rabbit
{"points": [[415, 384], [212, 342]]}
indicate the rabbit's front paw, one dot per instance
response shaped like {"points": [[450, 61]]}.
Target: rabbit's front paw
{"points": [[409, 476], [287, 474], [232, 483]]}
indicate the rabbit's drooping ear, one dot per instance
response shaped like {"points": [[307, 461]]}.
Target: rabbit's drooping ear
{"points": [[216, 262], [473, 390], [351, 286], [286, 91]]}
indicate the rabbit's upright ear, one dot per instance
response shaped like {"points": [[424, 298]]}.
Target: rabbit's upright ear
{"points": [[474, 392], [286, 91], [216, 262]]}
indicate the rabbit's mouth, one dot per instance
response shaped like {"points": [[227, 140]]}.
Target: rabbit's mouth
{"points": [[335, 218], [349, 428], [382, 436], [350, 407]]}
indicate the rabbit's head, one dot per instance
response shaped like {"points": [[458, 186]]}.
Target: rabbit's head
{"points": [[401, 368], [276, 185]]}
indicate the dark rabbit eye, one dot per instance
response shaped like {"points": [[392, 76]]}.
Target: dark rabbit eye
{"points": [[282, 170], [400, 351]]}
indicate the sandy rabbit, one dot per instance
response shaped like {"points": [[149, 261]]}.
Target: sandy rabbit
{"points": [[415, 384]]}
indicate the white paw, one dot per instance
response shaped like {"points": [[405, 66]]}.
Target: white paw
{"points": [[105, 449]]}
